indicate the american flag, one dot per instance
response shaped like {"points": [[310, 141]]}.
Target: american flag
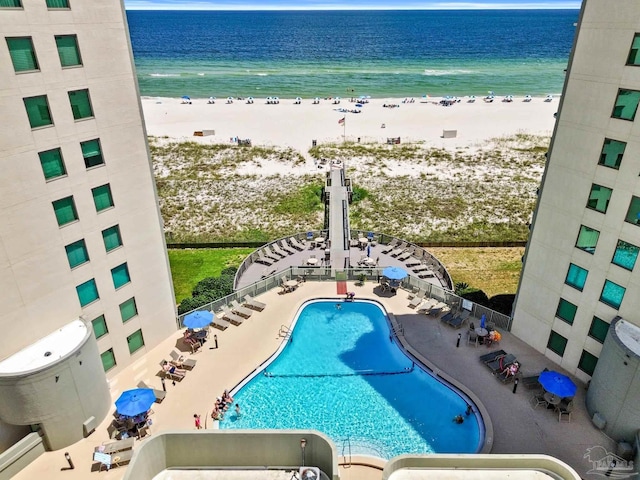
{"points": [[341, 121]]}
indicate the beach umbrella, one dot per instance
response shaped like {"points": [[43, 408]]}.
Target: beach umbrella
{"points": [[186, 97], [483, 320], [198, 319], [394, 273], [368, 250], [136, 401], [557, 384]]}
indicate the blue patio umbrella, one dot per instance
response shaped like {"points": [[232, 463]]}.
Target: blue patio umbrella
{"points": [[557, 384], [394, 273], [136, 401], [186, 97], [483, 321], [197, 319], [369, 250]]}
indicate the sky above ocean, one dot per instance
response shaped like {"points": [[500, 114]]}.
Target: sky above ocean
{"points": [[348, 5]]}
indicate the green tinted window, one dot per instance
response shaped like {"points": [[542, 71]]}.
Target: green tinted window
{"points": [[65, 210], [633, 214], [87, 292], [68, 50], [612, 294], [108, 360], [38, 111], [92, 153], [77, 253], [80, 104], [52, 164], [112, 238], [23, 55], [99, 326], [58, 3], [576, 276], [625, 255], [587, 239], [128, 309], [612, 152], [566, 311], [599, 198], [10, 3], [135, 341], [634, 58], [626, 104], [587, 363], [102, 197], [598, 329], [557, 343], [120, 275]]}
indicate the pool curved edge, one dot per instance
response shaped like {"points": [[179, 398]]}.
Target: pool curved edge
{"points": [[487, 445]]}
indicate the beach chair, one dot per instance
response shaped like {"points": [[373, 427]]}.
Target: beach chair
{"points": [[413, 261], [232, 317], [406, 254], [491, 356], [472, 338], [399, 250], [538, 400], [296, 244], [114, 460], [500, 363], [269, 254], [449, 316], [240, 310], [390, 246], [436, 309], [418, 299], [278, 251], [219, 322], [564, 410], [181, 362], [252, 303], [458, 321], [117, 446], [286, 247], [426, 274], [174, 373], [264, 260], [421, 267], [160, 394]]}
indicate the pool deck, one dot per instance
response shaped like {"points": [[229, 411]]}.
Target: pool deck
{"points": [[517, 426]]}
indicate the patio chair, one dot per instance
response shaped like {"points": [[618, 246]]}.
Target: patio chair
{"points": [[160, 394], [252, 303], [116, 459], [219, 322], [538, 400], [390, 246], [491, 356], [240, 310], [418, 299], [530, 382], [269, 254], [421, 267], [501, 363], [278, 251], [181, 362], [171, 371], [459, 321], [472, 338], [426, 274], [117, 446], [509, 375], [262, 259], [450, 315], [406, 254], [401, 248], [564, 410], [296, 244], [228, 314], [426, 305], [286, 247], [268, 271], [413, 261]]}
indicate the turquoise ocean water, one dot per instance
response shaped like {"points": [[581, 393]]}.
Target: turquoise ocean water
{"points": [[337, 53]]}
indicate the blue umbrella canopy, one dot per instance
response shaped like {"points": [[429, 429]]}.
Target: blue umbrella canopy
{"points": [[198, 319], [557, 384], [186, 97], [394, 273], [136, 401]]}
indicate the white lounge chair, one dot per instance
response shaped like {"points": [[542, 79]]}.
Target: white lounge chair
{"points": [[219, 322], [286, 247], [418, 299], [240, 310], [263, 260], [255, 304], [181, 362], [160, 394], [270, 255], [296, 244], [234, 318]]}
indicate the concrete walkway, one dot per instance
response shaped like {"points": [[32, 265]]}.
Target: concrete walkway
{"points": [[518, 428]]}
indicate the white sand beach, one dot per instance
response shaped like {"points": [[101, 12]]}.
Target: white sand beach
{"points": [[287, 124]]}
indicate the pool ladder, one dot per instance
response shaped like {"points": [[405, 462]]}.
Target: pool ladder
{"points": [[346, 457], [396, 330], [285, 332]]}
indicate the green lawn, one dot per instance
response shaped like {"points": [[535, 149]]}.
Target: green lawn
{"points": [[188, 267]]}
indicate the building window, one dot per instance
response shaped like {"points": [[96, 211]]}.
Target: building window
{"points": [[92, 153], [120, 275], [38, 111], [112, 238], [135, 341], [587, 362], [599, 198], [23, 55], [612, 152], [557, 343], [128, 309], [598, 329], [108, 360], [587, 239], [612, 294], [87, 292], [634, 57], [68, 50], [576, 277], [52, 164], [10, 4], [633, 214], [57, 3], [80, 104], [626, 104], [99, 326], [626, 255], [77, 253], [65, 210], [566, 311], [102, 197]]}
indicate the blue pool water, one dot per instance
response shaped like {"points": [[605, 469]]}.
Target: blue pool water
{"points": [[341, 374]]}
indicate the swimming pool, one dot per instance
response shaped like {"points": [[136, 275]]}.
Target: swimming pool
{"points": [[341, 374]]}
